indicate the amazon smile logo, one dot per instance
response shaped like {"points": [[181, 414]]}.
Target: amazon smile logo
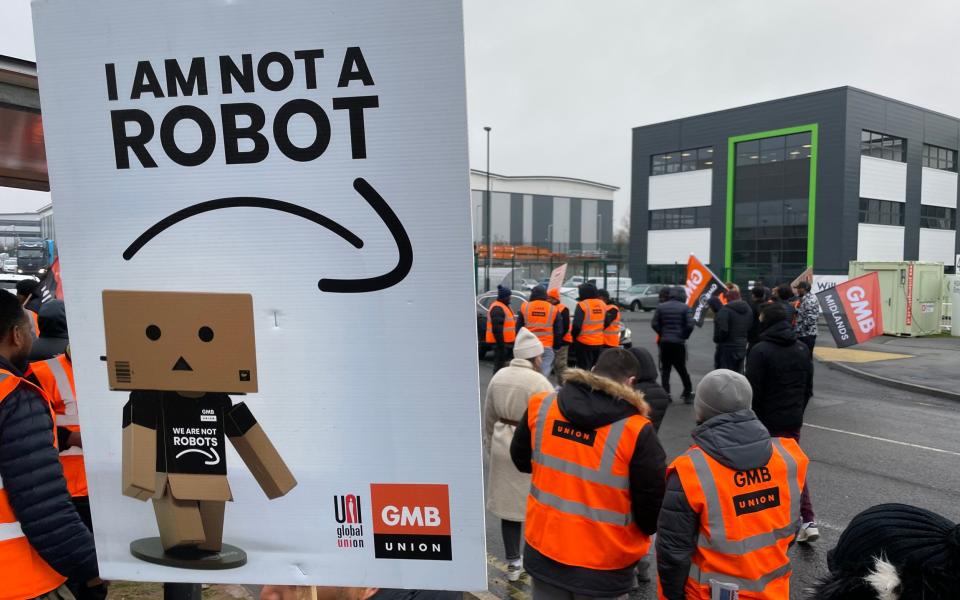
{"points": [[330, 285], [197, 440]]}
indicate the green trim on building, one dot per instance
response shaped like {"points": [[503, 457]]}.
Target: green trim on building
{"points": [[732, 142]]}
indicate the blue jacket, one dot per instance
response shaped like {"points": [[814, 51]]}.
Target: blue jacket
{"points": [[33, 479], [673, 321]]}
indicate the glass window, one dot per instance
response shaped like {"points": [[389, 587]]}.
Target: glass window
{"points": [[681, 160], [888, 147], [771, 191], [936, 157], [938, 217], [881, 212], [705, 158], [680, 218]]}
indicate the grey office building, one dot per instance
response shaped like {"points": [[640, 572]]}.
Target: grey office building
{"points": [[815, 180]]}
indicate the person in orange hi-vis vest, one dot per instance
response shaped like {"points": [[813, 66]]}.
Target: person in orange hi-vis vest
{"points": [[611, 322], [501, 327], [55, 377], [732, 507], [42, 539], [541, 318], [588, 323], [561, 357], [597, 481]]}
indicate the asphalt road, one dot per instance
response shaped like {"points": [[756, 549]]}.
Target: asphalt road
{"points": [[868, 445]]}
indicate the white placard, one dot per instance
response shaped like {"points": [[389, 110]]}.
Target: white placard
{"points": [[825, 282], [324, 184], [557, 277]]}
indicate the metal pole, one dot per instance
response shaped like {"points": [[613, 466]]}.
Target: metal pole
{"points": [[486, 217], [181, 591], [550, 246]]}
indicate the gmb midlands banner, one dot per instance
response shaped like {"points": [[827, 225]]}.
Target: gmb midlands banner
{"points": [[701, 285], [852, 310]]}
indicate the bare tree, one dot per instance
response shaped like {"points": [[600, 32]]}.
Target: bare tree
{"points": [[621, 237]]}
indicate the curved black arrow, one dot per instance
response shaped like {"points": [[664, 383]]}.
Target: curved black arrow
{"points": [[405, 250], [342, 286]]}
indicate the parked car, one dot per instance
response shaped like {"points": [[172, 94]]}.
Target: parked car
{"points": [[643, 296], [483, 307], [10, 265], [528, 284]]}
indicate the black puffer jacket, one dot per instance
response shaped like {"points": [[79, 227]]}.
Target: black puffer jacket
{"points": [[33, 479], [737, 440], [590, 402], [780, 371], [672, 319], [732, 324], [656, 396]]}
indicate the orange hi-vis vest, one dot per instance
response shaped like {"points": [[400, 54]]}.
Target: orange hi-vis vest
{"points": [[539, 317], [591, 331], [748, 519], [578, 510], [56, 378], [509, 324], [34, 321], [568, 334], [611, 334], [24, 573]]}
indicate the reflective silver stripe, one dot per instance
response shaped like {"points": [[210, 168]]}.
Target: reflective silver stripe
{"points": [[718, 541], [10, 531], [581, 510], [602, 475], [570, 468], [540, 422], [540, 334], [709, 487], [746, 585], [794, 484], [67, 420]]}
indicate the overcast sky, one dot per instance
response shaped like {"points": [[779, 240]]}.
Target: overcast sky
{"points": [[561, 82]]}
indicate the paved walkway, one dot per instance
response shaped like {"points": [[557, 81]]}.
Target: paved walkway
{"points": [[928, 364]]}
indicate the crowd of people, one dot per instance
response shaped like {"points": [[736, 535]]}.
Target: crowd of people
{"points": [[576, 468]]}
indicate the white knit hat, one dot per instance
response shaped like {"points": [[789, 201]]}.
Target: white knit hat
{"points": [[527, 345]]}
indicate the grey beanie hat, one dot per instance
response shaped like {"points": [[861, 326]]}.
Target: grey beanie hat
{"points": [[721, 391]]}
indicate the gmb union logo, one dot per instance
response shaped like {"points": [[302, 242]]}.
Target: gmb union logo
{"points": [[349, 517], [411, 521]]}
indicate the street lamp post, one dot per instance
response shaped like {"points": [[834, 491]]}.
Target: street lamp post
{"points": [[486, 219], [550, 244], [603, 262]]}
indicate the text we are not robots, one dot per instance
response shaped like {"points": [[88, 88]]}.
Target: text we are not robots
{"points": [[240, 122]]}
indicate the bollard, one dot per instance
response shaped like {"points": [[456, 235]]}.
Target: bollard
{"points": [[181, 591]]}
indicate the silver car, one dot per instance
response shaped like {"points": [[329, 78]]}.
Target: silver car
{"points": [[642, 296]]}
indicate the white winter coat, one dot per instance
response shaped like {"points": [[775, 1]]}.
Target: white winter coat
{"points": [[507, 396]]}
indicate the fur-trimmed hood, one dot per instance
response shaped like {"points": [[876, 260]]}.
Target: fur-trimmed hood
{"points": [[592, 401]]}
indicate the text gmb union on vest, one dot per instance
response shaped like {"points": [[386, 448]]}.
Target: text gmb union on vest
{"points": [[758, 500]]}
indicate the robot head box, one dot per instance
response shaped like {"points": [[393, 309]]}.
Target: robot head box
{"points": [[180, 341]]}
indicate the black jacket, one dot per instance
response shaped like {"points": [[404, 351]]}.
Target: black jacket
{"points": [[672, 319], [33, 479], [753, 336], [590, 402], [564, 319], [653, 393], [732, 324], [780, 371], [53, 340], [736, 440], [539, 294]]}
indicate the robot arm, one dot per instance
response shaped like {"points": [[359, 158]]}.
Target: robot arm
{"points": [[257, 451], [139, 447]]}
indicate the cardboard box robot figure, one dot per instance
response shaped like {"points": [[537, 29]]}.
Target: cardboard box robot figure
{"points": [[180, 354]]}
